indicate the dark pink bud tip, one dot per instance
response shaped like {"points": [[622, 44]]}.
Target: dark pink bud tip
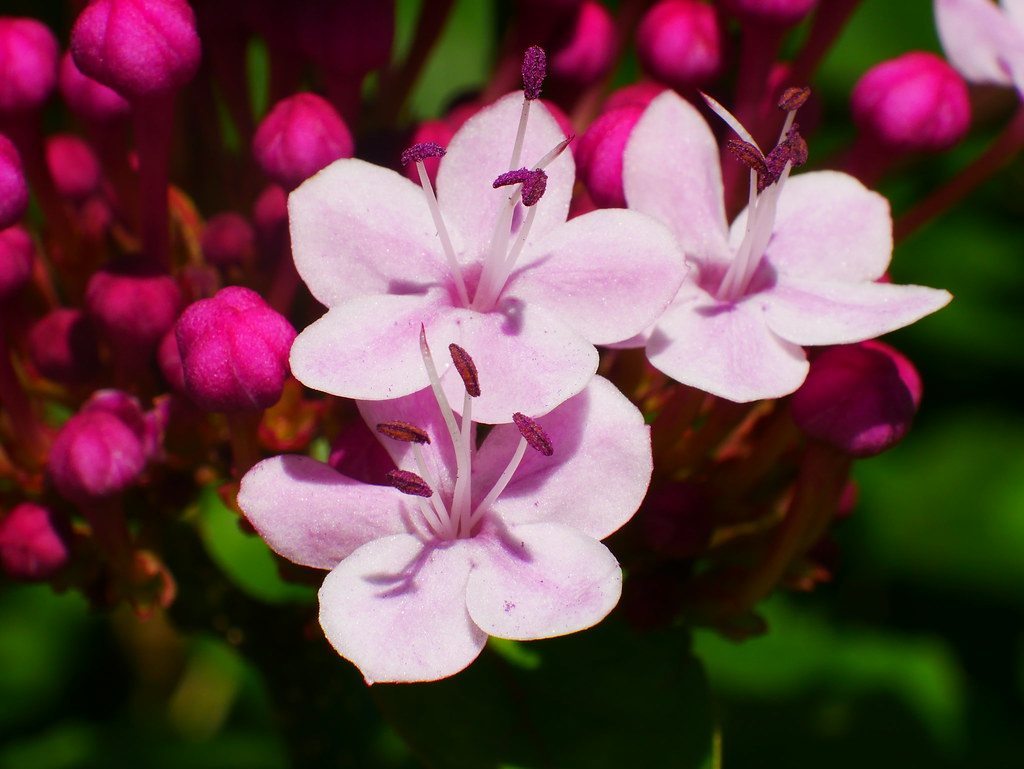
{"points": [[403, 431], [17, 254], [33, 544], [534, 183], [228, 240], [466, 368], [63, 347], [137, 47], [88, 98], [73, 165], [679, 42], [600, 151], [409, 483], [234, 351], [422, 151], [13, 187], [301, 135], [858, 398], [134, 303], [794, 98], [583, 48], [28, 64], [534, 434], [95, 456], [535, 63]]}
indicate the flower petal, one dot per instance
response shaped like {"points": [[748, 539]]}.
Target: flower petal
{"points": [[608, 274], [597, 476], [817, 313], [357, 229], [480, 152], [980, 41], [541, 580], [671, 172], [725, 349], [396, 608], [312, 514]]}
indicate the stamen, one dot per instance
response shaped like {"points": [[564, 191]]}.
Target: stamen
{"points": [[748, 154], [729, 119], [791, 151], [794, 98], [534, 71], [534, 434], [534, 183], [408, 482], [422, 151], [403, 431], [466, 368]]}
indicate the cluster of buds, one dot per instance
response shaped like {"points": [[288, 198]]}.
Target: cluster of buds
{"points": [[154, 270]]}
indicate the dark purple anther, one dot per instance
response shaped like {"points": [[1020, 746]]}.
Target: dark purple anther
{"points": [[792, 150], [409, 483], [534, 434], [422, 151], [534, 183], [403, 431], [794, 98], [535, 63], [749, 155], [466, 368]]}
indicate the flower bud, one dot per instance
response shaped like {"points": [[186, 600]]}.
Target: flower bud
{"points": [[13, 188], [138, 48], [16, 257], [301, 135], [599, 156], [913, 103], [95, 456], [228, 240], [634, 95], [73, 165], [783, 13], [33, 543], [169, 360], [584, 48], [234, 351], [63, 347], [858, 398], [90, 100], [679, 43], [28, 65], [134, 303]]}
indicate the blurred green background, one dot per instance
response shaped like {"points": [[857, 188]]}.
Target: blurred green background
{"points": [[914, 655]]}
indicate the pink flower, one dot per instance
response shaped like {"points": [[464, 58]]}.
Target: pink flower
{"points": [[494, 539], [800, 271], [985, 43], [525, 292]]}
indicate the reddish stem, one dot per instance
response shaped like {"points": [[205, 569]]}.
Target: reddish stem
{"points": [[154, 117]]}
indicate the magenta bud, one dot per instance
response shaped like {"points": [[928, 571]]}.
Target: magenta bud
{"points": [[134, 303], [28, 64], [301, 135], [679, 43], [63, 347], [584, 48], [783, 13], [148, 427], [169, 360], [599, 156], [139, 48], [228, 240], [16, 257], [635, 95], [913, 103], [90, 100], [234, 351], [73, 165], [13, 187], [33, 543], [95, 456], [858, 398]]}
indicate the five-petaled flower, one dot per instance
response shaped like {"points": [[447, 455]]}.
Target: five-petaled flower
{"points": [[985, 43]]}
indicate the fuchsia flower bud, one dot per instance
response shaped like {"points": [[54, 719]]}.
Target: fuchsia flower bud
{"points": [[301, 135], [228, 240], [13, 188], [63, 347], [74, 166], [859, 398], [915, 102], [134, 303], [784, 13], [16, 256], [33, 543], [28, 64], [87, 98], [584, 50], [599, 156], [679, 43], [234, 351], [635, 95], [168, 358], [138, 48]]}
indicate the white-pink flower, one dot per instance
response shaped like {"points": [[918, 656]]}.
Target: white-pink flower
{"points": [[800, 271], [983, 41], [537, 292], [491, 539]]}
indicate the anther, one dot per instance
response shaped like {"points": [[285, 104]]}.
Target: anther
{"points": [[422, 151], [409, 483], [534, 434], [749, 155], [466, 368], [534, 183], [534, 70], [793, 99], [403, 431], [791, 150]]}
